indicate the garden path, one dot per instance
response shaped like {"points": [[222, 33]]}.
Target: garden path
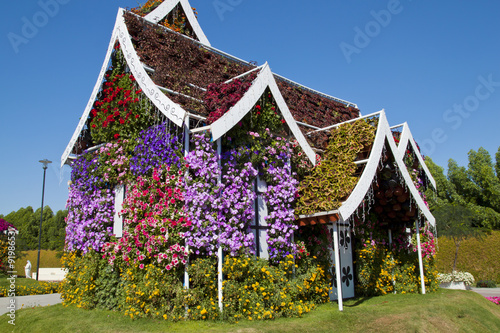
{"points": [[23, 302], [487, 292]]}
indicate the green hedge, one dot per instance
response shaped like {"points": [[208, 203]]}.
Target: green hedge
{"points": [[478, 257]]}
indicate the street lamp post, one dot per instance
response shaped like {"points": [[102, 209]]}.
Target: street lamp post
{"points": [[44, 162]]}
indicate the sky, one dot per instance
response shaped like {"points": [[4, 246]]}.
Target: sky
{"points": [[433, 64]]}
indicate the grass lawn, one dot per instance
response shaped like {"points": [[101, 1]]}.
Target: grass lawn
{"points": [[443, 311]]}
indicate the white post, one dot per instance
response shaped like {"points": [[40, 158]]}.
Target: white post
{"points": [[419, 249], [392, 272], [337, 265], [219, 251], [186, 151]]}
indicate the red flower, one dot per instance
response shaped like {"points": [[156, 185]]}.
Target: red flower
{"points": [[122, 121], [136, 116], [258, 107], [117, 136], [283, 121]]}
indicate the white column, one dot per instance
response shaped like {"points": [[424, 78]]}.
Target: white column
{"points": [[186, 151], [337, 265], [419, 249], [392, 272], [219, 251]]}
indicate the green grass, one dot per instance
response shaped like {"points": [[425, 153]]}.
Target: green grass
{"points": [[478, 257], [443, 311], [48, 259]]}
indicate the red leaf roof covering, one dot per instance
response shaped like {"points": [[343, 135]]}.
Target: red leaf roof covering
{"points": [[184, 66]]}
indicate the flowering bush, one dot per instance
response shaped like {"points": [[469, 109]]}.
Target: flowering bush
{"points": [[31, 287], [427, 242], [236, 205], [256, 291], [486, 284], [113, 164], [121, 110], [90, 219], [154, 147], [314, 241], [90, 282], [383, 268], [154, 222], [280, 196], [495, 300], [455, 276], [220, 97], [201, 197], [220, 213], [84, 175]]}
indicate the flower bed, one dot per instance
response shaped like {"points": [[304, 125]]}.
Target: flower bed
{"points": [[464, 277], [495, 300], [26, 287]]}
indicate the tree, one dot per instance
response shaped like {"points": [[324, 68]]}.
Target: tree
{"points": [[482, 173], [455, 222], [27, 222], [497, 165], [56, 231], [476, 187], [445, 190]]}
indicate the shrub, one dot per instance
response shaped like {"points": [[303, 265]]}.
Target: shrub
{"points": [[90, 281], [254, 290], [486, 284]]}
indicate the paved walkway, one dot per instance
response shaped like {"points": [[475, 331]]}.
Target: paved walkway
{"points": [[487, 292], [23, 302]]}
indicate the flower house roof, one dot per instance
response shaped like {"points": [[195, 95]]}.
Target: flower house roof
{"points": [[360, 195], [406, 141], [264, 80], [167, 6], [174, 71], [201, 65]]}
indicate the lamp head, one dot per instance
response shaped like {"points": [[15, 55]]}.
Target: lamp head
{"points": [[45, 162]]}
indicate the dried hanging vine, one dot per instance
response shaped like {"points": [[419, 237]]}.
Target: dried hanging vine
{"points": [[334, 178]]}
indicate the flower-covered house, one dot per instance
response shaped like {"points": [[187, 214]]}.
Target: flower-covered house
{"points": [[189, 163]]}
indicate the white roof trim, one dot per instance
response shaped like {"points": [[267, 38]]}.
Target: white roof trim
{"points": [[171, 110], [407, 139], [93, 96], [264, 79], [357, 196], [167, 6]]}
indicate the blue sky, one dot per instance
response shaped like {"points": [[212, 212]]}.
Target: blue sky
{"points": [[433, 64]]}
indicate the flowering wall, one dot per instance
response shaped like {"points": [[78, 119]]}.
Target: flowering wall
{"points": [[186, 198]]}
